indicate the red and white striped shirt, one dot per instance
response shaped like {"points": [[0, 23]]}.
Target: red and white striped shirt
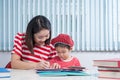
{"points": [[40, 52]]}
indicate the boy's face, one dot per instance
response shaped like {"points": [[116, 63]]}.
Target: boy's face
{"points": [[63, 52]]}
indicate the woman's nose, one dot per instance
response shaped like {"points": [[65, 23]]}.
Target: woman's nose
{"points": [[43, 39]]}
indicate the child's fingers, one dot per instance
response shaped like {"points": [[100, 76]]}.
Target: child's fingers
{"points": [[56, 66]]}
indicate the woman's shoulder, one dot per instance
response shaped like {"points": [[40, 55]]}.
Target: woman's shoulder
{"points": [[20, 36]]}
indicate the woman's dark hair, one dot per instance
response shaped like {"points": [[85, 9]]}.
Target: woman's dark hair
{"points": [[62, 45], [37, 24]]}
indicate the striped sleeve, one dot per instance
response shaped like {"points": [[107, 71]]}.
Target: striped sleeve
{"points": [[17, 47]]}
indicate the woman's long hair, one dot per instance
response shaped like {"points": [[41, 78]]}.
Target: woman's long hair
{"points": [[37, 24]]}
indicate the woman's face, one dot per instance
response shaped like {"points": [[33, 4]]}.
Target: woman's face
{"points": [[41, 36]]}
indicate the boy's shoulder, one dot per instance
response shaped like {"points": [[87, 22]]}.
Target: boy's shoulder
{"points": [[75, 58]]}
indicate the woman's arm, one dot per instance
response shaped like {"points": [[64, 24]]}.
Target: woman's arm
{"points": [[17, 63]]}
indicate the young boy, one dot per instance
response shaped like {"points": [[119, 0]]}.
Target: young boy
{"points": [[63, 45]]}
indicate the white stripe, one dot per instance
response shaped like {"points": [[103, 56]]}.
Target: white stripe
{"points": [[42, 51], [19, 47], [19, 35], [31, 57], [27, 51], [51, 46], [47, 48], [17, 51], [38, 54], [24, 46]]}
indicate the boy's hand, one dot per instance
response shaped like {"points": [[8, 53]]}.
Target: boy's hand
{"points": [[55, 66]]}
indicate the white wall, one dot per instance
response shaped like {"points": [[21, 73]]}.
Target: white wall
{"points": [[86, 58], [4, 58]]}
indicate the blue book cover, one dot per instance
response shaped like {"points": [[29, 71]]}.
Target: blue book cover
{"points": [[61, 73], [4, 70], [4, 73]]}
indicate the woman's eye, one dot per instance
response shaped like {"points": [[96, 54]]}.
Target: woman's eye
{"points": [[40, 37]]}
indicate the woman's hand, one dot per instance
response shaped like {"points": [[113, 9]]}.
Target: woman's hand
{"points": [[43, 65], [55, 66]]}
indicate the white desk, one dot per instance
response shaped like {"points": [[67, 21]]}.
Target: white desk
{"points": [[32, 75]]}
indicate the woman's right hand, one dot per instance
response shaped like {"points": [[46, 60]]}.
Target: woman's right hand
{"points": [[43, 65]]}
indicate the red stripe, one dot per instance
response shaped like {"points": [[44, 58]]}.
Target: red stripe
{"points": [[18, 43], [14, 51], [52, 47], [52, 54], [29, 59], [19, 38], [33, 55], [41, 53], [16, 47], [36, 51], [24, 48], [21, 34], [44, 49], [24, 43]]}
